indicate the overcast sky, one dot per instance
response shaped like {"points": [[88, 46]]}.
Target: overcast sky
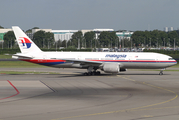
{"points": [[90, 14]]}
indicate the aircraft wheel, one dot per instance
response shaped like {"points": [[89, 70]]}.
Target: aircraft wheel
{"points": [[85, 73], [89, 73], [98, 73], [161, 73], [93, 73]]}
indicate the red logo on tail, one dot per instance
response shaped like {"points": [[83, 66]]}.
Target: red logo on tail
{"points": [[25, 42]]}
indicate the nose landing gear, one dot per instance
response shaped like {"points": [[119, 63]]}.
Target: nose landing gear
{"points": [[161, 71]]}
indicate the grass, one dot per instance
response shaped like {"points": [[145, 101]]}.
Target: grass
{"points": [[171, 70], [5, 56], [152, 70], [176, 66], [17, 72], [18, 64]]}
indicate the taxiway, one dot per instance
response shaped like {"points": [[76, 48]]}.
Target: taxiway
{"points": [[68, 95]]}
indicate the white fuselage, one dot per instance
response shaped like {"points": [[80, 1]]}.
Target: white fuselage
{"points": [[134, 60]]}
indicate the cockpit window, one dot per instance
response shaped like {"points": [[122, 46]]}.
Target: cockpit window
{"points": [[170, 59]]}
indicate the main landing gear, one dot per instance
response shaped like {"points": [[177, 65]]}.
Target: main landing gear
{"points": [[92, 73], [161, 71]]}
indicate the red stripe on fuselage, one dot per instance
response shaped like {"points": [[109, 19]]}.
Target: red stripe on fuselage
{"points": [[38, 61]]}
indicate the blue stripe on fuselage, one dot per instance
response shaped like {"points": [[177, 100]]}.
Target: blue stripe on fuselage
{"points": [[51, 63]]}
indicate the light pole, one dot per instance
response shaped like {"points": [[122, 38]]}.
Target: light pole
{"points": [[123, 43], [111, 43], [2, 44], [66, 44], [11, 43], [174, 45], [120, 40], [56, 45], [115, 43], [43, 42], [91, 43], [95, 43], [85, 43], [78, 43], [131, 44]]}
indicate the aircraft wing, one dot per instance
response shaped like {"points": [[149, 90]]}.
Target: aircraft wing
{"points": [[84, 62]]}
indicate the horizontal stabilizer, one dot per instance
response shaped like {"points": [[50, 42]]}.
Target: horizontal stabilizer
{"points": [[22, 56]]}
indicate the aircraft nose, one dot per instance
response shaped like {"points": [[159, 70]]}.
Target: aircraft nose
{"points": [[175, 62]]}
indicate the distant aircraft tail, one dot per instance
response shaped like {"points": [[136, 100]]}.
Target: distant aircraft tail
{"points": [[26, 45]]}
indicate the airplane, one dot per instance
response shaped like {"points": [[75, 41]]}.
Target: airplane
{"points": [[109, 62]]}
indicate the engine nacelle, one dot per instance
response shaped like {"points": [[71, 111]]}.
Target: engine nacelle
{"points": [[111, 68]]}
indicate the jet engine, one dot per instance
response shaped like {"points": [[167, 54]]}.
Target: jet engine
{"points": [[111, 68]]}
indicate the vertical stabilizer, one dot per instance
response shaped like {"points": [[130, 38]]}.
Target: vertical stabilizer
{"points": [[26, 45]]}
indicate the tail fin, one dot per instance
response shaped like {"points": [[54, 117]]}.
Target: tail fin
{"points": [[26, 45]]}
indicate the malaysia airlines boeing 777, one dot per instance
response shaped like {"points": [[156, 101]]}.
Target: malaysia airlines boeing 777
{"points": [[110, 62]]}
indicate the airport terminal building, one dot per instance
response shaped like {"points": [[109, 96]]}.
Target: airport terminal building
{"points": [[2, 33], [67, 34], [124, 34], [63, 34]]}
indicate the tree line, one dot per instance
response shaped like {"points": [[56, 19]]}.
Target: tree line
{"points": [[41, 38], [78, 40], [90, 40], [155, 38]]}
